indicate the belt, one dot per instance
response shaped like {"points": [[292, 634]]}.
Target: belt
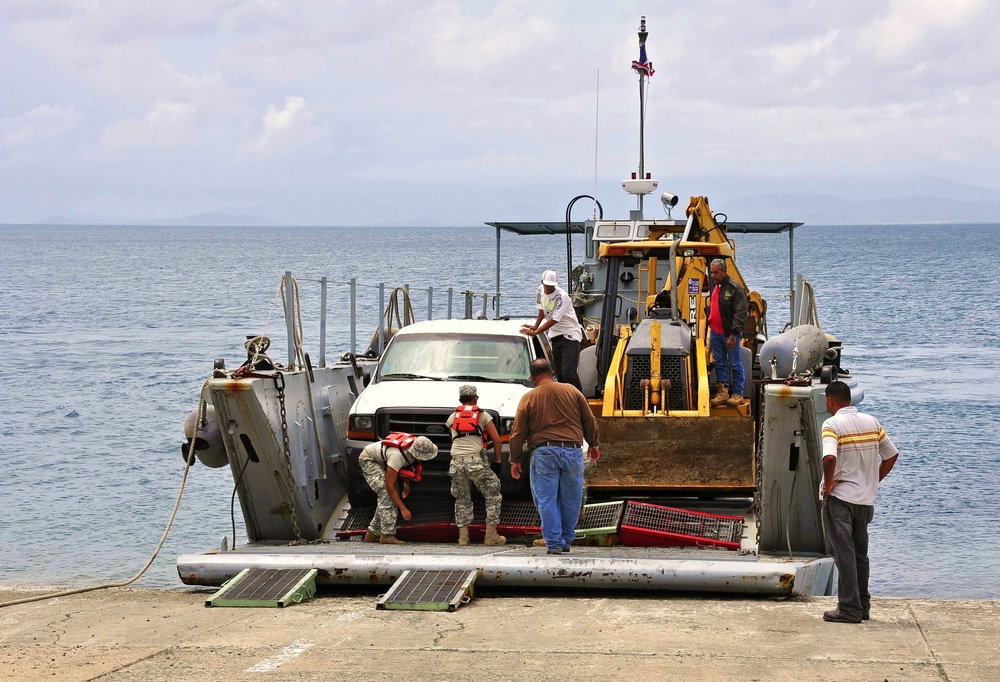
{"points": [[557, 444]]}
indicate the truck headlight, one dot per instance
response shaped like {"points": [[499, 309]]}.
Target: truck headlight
{"points": [[506, 425], [361, 426]]}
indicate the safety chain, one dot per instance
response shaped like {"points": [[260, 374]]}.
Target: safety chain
{"points": [[755, 507]]}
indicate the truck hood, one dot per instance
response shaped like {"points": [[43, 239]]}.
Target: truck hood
{"points": [[437, 394]]}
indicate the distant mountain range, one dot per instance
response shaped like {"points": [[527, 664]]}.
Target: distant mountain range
{"points": [[855, 200], [824, 209], [201, 219]]}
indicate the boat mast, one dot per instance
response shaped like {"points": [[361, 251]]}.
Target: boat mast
{"points": [[642, 100], [641, 183]]}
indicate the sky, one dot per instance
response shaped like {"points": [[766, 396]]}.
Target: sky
{"points": [[412, 112]]}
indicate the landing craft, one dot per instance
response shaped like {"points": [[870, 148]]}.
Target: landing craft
{"points": [[687, 495]]}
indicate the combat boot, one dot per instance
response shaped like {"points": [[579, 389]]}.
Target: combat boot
{"points": [[463, 536], [370, 536], [721, 395], [735, 400], [491, 536], [391, 540]]}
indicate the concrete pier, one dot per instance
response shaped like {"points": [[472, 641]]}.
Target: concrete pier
{"points": [[125, 634]]}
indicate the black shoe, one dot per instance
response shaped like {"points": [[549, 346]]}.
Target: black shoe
{"points": [[565, 550], [865, 616], [554, 551], [836, 616]]}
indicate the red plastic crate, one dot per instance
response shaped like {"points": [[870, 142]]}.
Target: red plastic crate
{"points": [[653, 525], [428, 532]]}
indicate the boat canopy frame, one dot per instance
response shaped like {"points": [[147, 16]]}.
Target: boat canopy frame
{"points": [[560, 228]]}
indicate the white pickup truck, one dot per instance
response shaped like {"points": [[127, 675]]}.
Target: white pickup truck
{"points": [[415, 388]]}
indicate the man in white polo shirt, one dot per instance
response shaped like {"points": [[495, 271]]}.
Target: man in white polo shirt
{"points": [[562, 326], [857, 455]]}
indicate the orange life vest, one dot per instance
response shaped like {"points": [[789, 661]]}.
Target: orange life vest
{"points": [[401, 440], [466, 422]]}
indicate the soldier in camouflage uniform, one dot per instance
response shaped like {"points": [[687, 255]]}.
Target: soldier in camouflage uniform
{"points": [[470, 464], [380, 465]]}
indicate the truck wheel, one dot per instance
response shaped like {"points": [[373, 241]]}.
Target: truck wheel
{"points": [[358, 492]]}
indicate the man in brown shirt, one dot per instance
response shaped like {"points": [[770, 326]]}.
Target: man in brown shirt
{"points": [[554, 420]]}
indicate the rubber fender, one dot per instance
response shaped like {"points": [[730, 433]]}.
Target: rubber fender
{"points": [[209, 448], [808, 340]]}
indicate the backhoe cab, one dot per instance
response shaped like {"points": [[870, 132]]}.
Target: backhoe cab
{"points": [[658, 430]]}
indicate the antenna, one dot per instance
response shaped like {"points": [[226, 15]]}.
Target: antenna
{"points": [[597, 128]]}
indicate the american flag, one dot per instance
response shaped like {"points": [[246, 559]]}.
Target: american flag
{"points": [[643, 66]]}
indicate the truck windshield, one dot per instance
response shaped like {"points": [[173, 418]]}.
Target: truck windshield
{"points": [[443, 357]]}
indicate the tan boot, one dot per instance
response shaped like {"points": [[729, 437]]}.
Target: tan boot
{"points": [[721, 395], [370, 536], [391, 540], [539, 543], [463, 536], [492, 538], [735, 400]]}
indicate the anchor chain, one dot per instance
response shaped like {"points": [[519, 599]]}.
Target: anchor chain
{"points": [[279, 384]]}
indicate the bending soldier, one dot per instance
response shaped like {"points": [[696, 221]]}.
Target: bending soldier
{"points": [[380, 464]]}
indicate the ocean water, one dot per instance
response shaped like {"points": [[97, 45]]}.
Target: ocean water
{"points": [[108, 332]]}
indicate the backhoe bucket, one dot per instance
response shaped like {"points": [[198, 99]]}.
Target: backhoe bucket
{"points": [[675, 454]]}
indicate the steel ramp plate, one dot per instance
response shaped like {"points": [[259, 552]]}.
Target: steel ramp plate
{"points": [[274, 587], [601, 518], [420, 590]]}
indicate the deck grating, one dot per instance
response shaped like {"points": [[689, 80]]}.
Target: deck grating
{"points": [[266, 587], [429, 590]]}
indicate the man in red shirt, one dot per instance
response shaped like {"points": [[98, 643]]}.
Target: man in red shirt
{"points": [[726, 317]]}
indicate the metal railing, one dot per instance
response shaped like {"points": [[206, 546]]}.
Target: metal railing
{"points": [[456, 304]]}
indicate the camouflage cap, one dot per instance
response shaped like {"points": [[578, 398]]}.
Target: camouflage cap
{"points": [[467, 391], [423, 448]]}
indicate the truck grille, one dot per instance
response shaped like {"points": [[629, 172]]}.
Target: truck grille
{"points": [[420, 422]]}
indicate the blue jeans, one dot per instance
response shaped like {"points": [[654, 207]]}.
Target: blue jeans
{"points": [[557, 486], [726, 358]]}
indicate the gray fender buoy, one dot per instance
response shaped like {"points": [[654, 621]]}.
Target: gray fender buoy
{"points": [[811, 343], [208, 448]]}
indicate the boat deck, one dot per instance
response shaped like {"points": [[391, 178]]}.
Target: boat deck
{"points": [[518, 565]]}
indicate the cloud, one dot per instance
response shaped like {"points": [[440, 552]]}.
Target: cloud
{"points": [[167, 124], [265, 97], [286, 129], [38, 126], [909, 22], [461, 42]]}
